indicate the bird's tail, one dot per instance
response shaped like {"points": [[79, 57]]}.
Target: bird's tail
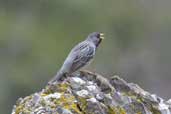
{"points": [[56, 78]]}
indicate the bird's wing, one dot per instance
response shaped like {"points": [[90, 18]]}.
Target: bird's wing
{"points": [[84, 52]]}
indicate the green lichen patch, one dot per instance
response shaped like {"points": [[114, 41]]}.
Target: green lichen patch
{"points": [[61, 87], [21, 105], [82, 102], [92, 95], [116, 110], [68, 101]]}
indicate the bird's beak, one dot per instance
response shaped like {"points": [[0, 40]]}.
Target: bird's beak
{"points": [[102, 36]]}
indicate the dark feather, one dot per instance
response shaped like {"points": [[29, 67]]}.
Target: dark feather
{"points": [[84, 53]]}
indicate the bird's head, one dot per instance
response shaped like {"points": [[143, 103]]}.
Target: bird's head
{"points": [[96, 38]]}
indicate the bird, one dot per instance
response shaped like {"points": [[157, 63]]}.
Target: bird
{"points": [[81, 55]]}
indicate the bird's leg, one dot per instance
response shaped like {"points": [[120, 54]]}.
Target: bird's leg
{"points": [[93, 69], [59, 77], [65, 75]]}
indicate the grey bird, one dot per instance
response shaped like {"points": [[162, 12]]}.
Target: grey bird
{"points": [[80, 56]]}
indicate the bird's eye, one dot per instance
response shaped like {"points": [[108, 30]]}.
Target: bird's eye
{"points": [[98, 35]]}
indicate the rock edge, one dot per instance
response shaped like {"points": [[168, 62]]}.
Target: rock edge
{"points": [[90, 93]]}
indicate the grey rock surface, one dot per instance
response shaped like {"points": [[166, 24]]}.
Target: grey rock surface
{"points": [[89, 93]]}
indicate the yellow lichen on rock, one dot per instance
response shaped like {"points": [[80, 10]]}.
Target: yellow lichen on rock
{"points": [[85, 94], [116, 110], [68, 101]]}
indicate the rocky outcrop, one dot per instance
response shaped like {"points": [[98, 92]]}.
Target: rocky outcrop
{"points": [[89, 93]]}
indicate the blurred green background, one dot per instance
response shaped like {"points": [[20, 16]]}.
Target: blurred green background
{"points": [[37, 35]]}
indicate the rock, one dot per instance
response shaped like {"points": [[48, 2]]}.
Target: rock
{"points": [[89, 93]]}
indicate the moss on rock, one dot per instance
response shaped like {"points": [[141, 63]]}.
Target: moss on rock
{"points": [[89, 93]]}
